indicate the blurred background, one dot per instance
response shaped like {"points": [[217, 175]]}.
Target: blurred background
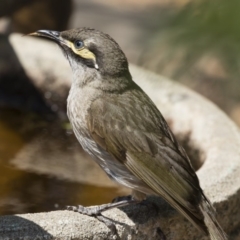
{"points": [[42, 166]]}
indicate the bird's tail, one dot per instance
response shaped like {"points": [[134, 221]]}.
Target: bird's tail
{"points": [[214, 229]]}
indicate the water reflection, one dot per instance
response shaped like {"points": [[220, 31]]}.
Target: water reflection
{"points": [[42, 167], [24, 192]]}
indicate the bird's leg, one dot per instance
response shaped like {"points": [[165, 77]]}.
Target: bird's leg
{"points": [[96, 210]]}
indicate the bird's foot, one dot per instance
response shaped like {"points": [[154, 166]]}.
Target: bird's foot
{"points": [[96, 211]]}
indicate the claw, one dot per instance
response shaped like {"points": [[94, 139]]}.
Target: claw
{"points": [[97, 210]]}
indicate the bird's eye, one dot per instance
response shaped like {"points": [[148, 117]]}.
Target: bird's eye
{"points": [[78, 44]]}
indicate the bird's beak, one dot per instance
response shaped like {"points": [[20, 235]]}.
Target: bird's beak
{"points": [[53, 35]]}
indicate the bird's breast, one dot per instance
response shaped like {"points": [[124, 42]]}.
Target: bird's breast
{"points": [[78, 104]]}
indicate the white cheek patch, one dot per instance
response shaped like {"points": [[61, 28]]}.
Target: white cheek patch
{"points": [[96, 66]]}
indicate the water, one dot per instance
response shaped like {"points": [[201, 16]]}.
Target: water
{"points": [[33, 178]]}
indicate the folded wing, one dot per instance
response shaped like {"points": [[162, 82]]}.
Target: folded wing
{"points": [[134, 132]]}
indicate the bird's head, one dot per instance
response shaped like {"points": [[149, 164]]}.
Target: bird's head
{"points": [[89, 49]]}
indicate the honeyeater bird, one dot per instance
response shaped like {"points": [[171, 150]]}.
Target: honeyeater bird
{"points": [[121, 128]]}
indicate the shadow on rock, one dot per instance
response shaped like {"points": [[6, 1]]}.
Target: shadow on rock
{"points": [[11, 227]]}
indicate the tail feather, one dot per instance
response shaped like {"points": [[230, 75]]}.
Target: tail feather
{"points": [[214, 229]]}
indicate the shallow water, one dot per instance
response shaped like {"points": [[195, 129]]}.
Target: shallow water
{"points": [[31, 181]]}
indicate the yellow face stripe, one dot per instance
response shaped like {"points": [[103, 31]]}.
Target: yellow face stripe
{"points": [[82, 52]]}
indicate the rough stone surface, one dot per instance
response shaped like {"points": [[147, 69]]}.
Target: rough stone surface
{"points": [[214, 139]]}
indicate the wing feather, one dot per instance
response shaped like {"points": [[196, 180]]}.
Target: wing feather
{"points": [[131, 129]]}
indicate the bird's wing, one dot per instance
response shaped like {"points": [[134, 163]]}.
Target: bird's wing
{"points": [[131, 128]]}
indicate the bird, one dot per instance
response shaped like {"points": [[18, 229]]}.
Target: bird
{"points": [[121, 128]]}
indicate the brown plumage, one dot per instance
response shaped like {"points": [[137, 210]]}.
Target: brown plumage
{"points": [[122, 129]]}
